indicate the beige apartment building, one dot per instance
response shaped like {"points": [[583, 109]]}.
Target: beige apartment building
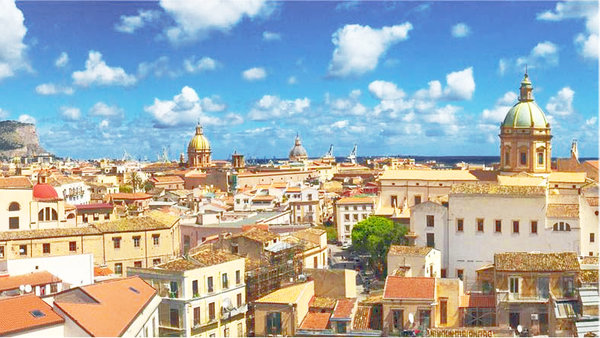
{"points": [[350, 210]]}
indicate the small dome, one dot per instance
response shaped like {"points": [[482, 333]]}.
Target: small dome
{"points": [[199, 142], [298, 151], [44, 192], [526, 113]]}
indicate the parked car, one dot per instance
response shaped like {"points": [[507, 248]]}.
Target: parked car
{"points": [[346, 245]]}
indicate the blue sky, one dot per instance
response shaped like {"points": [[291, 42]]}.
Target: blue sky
{"points": [[423, 78]]}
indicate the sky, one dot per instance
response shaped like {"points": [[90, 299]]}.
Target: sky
{"points": [[395, 78]]}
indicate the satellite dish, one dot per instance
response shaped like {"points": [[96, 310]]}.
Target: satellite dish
{"points": [[227, 305], [519, 328], [22, 288], [28, 288], [411, 318]]}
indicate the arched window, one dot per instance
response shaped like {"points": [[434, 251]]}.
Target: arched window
{"points": [[70, 216], [14, 206], [47, 214], [561, 226]]}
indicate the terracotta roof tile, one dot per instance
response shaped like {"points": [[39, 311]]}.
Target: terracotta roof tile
{"points": [[315, 321], [15, 182], [154, 220], [481, 301], [167, 179], [129, 196], [16, 314], [203, 258], [409, 250], [409, 288], [592, 201], [107, 308], [94, 206], [258, 235], [323, 302], [355, 200], [362, 318], [33, 279], [102, 271], [562, 210], [495, 189], [343, 308], [47, 233], [528, 261]]}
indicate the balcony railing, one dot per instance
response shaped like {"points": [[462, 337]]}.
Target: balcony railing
{"points": [[505, 296], [234, 312]]}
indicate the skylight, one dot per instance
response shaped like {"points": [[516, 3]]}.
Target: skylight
{"points": [[133, 289], [37, 313]]}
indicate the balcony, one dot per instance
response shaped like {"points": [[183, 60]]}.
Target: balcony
{"points": [[503, 296], [226, 314]]}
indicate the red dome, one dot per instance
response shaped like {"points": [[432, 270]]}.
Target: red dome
{"points": [[44, 192]]}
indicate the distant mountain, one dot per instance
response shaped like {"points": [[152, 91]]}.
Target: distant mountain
{"points": [[18, 139]]}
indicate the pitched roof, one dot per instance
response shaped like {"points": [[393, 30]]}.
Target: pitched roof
{"points": [[409, 288], [530, 261], [15, 182], [323, 302], [154, 220], [107, 308], [102, 271], [259, 235], [362, 318], [563, 210], [481, 301], [409, 250], [343, 308], [428, 175], [16, 314], [495, 189], [263, 198], [567, 177], [203, 258], [33, 279], [315, 321], [47, 233], [94, 206], [167, 179], [355, 200], [129, 196], [289, 294]]}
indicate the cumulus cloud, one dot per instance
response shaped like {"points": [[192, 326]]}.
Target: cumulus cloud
{"points": [[384, 90], [561, 104], [272, 107], [106, 111], [359, 48], [159, 68], [461, 84], [271, 36], [497, 113], [292, 80], [97, 72], [254, 74], [195, 19], [587, 42], [24, 118], [52, 89], [12, 32], [70, 113], [131, 23], [3, 114], [544, 54], [191, 65], [461, 30], [187, 108], [347, 106], [62, 60]]}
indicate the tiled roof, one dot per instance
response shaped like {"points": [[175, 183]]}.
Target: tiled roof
{"points": [[589, 260], [167, 179], [315, 321], [16, 314], [263, 198], [293, 189], [343, 308], [563, 210], [313, 231], [355, 200], [428, 175], [259, 235], [362, 318], [592, 201], [495, 189], [33, 279], [289, 294], [203, 258], [481, 301], [94, 206], [102, 271], [15, 182], [409, 288], [588, 276], [47, 233], [409, 250], [592, 163], [129, 196], [323, 302], [566, 177], [528, 261], [154, 220], [107, 308]]}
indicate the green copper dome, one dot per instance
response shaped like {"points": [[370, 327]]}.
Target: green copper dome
{"points": [[526, 113]]}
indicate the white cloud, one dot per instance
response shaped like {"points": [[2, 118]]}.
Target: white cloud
{"points": [[212, 104], [271, 36], [131, 23], [104, 110], [384, 90], [461, 84], [292, 80], [52, 89], [159, 68], [254, 74], [3, 114], [26, 119], [188, 108], [461, 30], [543, 54], [502, 66], [359, 48], [206, 63], [62, 60], [561, 104], [498, 112], [591, 121], [340, 124], [347, 106], [587, 10], [443, 115], [195, 19], [70, 113], [103, 124], [97, 72], [272, 107], [12, 32]]}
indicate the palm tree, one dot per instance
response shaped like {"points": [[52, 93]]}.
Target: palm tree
{"points": [[135, 180]]}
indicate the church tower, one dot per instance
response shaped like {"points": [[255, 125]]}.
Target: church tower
{"points": [[199, 150], [525, 136]]}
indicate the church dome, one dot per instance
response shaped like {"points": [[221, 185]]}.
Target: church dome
{"points": [[199, 142], [298, 151], [43, 191], [526, 113]]}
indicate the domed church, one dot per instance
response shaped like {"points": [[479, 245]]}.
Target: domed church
{"points": [[298, 153], [525, 136], [199, 150]]}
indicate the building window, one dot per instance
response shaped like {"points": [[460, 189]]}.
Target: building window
{"points": [[430, 220], [197, 316], [117, 242], [137, 264], [195, 292], [119, 268], [592, 237], [47, 214], [225, 332], [514, 284], [480, 225], [431, 240], [224, 281], [14, 206], [568, 286], [540, 158], [46, 248], [209, 284], [460, 224], [156, 261], [211, 311], [240, 330], [460, 273], [72, 246], [534, 227], [156, 239], [238, 277], [53, 288], [273, 323], [136, 241], [239, 299], [523, 158], [417, 199], [443, 311], [1, 251], [443, 273], [515, 227], [347, 217], [561, 226], [394, 201], [23, 250], [397, 320], [507, 158], [13, 222], [498, 225]]}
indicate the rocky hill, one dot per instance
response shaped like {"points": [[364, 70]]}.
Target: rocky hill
{"points": [[18, 139]]}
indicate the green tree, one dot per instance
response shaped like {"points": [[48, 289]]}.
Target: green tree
{"points": [[331, 233], [135, 180], [125, 188], [374, 235]]}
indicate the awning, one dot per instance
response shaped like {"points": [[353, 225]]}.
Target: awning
{"points": [[589, 296], [564, 310], [584, 327]]}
